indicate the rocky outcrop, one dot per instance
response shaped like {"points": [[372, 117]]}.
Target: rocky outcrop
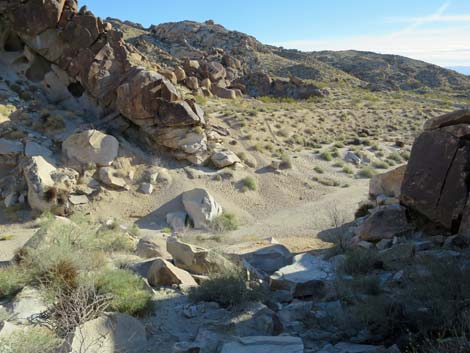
{"points": [[388, 184], [89, 58], [91, 147], [436, 182], [201, 207], [164, 273]]}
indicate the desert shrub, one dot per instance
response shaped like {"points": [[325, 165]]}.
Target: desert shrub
{"points": [[128, 292], [286, 161], [224, 222], [395, 156], [348, 170], [363, 210], [339, 164], [249, 183], [325, 155], [228, 289], [326, 181], [367, 172], [12, 280], [380, 165], [34, 339], [319, 170], [360, 262]]}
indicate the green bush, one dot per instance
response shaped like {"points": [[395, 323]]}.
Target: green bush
{"points": [[129, 295], [318, 169], [249, 183], [224, 222], [367, 172], [325, 155], [360, 262], [36, 339], [12, 280], [227, 289]]}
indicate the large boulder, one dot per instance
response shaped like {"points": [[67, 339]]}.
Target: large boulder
{"points": [[110, 333], [152, 245], [436, 178], [91, 146], [43, 193], [307, 276], [195, 259], [269, 259], [164, 273], [36, 16], [388, 183], [201, 207], [264, 344], [384, 223], [222, 159]]}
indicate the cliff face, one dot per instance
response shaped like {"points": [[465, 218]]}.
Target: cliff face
{"points": [[53, 42]]}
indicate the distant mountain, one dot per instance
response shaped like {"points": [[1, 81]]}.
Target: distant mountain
{"points": [[188, 39], [462, 69]]}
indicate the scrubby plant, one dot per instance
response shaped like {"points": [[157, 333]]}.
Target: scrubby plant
{"points": [[325, 155], [363, 209], [249, 184], [224, 222], [227, 289], [33, 339], [360, 262], [366, 172], [319, 170], [127, 291], [12, 280]]}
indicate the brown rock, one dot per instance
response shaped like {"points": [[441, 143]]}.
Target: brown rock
{"points": [[453, 118], [33, 17], [180, 74], [388, 183], [225, 93], [384, 223], [177, 114], [435, 179], [164, 273], [191, 82], [170, 76]]}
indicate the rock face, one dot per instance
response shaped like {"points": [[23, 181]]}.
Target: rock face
{"points": [[91, 146], [44, 192], [89, 60], [436, 179], [388, 184], [195, 259], [201, 207], [222, 159], [111, 333], [164, 273], [259, 344], [385, 223], [269, 259], [307, 276]]}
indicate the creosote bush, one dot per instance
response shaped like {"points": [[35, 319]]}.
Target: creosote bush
{"points": [[225, 222], [227, 289], [249, 184], [34, 339]]}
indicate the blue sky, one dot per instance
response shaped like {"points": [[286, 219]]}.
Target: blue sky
{"points": [[436, 31]]}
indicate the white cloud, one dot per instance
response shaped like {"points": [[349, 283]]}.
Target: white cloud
{"points": [[448, 46]]}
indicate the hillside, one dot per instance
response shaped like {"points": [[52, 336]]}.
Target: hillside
{"points": [[195, 40]]}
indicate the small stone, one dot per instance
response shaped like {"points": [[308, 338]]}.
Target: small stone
{"points": [[146, 188], [78, 199]]}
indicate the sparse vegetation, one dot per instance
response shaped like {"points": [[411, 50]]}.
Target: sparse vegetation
{"points": [[367, 172], [249, 184], [224, 222]]}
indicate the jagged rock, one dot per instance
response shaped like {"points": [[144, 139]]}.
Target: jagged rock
{"points": [[109, 176], [307, 276], [152, 245], [11, 146], [223, 92], [196, 259], [164, 273], [214, 71], [180, 74], [265, 344], [170, 76], [110, 333], [33, 149], [146, 188], [206, 83], [43, 193], [453, 118], [269, 259], [222, 159], [435, 182], [388, 183], [201, 207], [192, 82], [384, 223], [91, 146], [177, 221], [27, 305]]}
